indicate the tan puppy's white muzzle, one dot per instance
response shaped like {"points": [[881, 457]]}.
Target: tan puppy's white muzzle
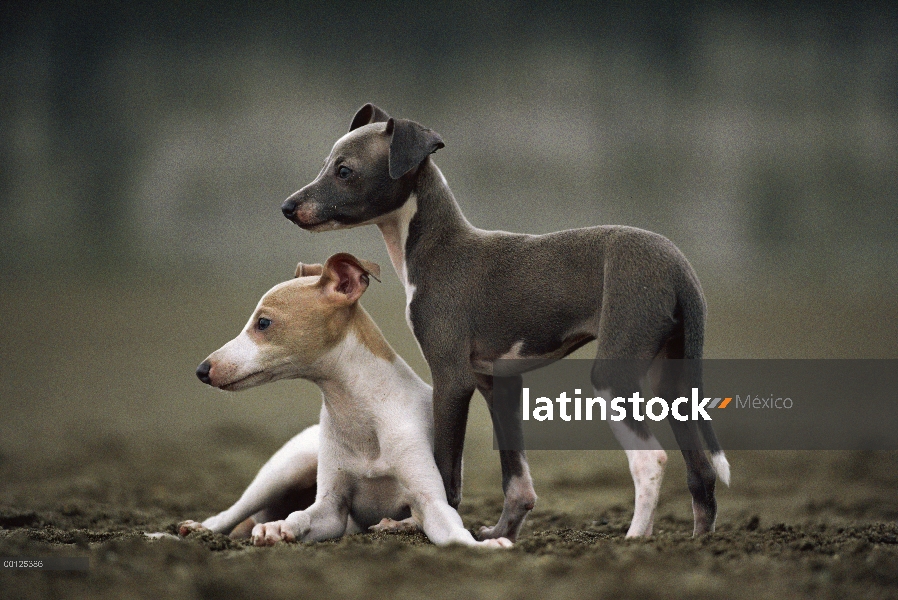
{"points": [[234, 366]]}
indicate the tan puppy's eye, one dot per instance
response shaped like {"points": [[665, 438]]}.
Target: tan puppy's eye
{"points": [[344, 172], [263, 323]]}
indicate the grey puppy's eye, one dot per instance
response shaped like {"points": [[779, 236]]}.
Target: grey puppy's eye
{"points": [[263, 324], [344, 172]]}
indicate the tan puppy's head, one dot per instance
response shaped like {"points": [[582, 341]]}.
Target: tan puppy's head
{"points": [[295, 324]]}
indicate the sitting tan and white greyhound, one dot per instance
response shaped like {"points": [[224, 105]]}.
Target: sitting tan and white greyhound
{"points": [[371, 456]]}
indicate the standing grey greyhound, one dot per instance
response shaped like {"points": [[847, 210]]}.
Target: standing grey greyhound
{"points": [[476, 296]]}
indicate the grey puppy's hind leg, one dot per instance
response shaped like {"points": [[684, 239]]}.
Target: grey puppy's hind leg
{"points": [[645, 456], [677, 379]]}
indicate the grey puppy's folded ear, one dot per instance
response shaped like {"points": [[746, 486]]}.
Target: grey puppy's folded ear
{"points": [[410, 144], [366, 115]]}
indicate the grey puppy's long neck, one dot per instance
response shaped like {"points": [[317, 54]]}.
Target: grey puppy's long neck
{"points": [[438, 220]]}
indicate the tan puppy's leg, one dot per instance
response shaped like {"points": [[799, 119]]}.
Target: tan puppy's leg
{"points": [[295, 465]]}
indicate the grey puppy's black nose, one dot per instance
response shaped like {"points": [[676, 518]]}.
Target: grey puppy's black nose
{"points": [[288, 208], [202, 372]]}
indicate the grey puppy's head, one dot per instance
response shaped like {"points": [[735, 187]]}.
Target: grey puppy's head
{"points": [[369, 173]]}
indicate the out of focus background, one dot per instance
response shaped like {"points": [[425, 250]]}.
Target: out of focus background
{"points": [[145, 150]]}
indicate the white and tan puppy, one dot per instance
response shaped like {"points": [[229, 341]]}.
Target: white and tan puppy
{"points": [[373, 448]]}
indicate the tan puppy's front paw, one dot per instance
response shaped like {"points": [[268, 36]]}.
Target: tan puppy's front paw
{"points": [[185, 527], [500, 542], [390, 525], [269, 534]]}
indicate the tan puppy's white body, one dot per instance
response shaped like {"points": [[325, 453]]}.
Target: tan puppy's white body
{"points": [[374, 444]]}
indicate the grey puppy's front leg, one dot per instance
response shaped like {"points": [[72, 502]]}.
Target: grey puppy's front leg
{"points": [[451, 399], [517, 485]]}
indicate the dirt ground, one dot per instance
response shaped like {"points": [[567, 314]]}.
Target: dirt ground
{"points": [[794, 525], [106, 435]]}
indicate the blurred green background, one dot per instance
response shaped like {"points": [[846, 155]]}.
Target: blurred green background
{"points": [[145, 151]]}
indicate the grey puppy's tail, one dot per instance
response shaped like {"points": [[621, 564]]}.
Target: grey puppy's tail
{"points": [[693, 306]]}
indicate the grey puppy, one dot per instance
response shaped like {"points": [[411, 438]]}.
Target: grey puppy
{"points": [[475, 296]]}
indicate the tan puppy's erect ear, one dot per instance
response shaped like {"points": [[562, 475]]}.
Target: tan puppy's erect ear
{"points": [[303, 270], [346, 277]]}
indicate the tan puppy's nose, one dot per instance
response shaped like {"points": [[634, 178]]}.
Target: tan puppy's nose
{"points": [[202, 372]]}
